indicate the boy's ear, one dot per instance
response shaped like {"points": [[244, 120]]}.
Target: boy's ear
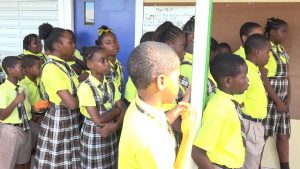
{"points": [[160, 82], [9, 70], [244, 38], [227, 81]]}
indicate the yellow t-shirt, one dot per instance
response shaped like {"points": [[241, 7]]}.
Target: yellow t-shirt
{"points": [[146, 142], [254, 98], [272, 65], [130, 90], [186, 67], [241, 52], [33, 90], [220, 132], [7, 95], [86, 97], [54, 80]]}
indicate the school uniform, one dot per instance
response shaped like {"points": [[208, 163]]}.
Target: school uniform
{"points": [[277, 122], [35, 94], [96, 151], [221, 133], [15, 133], [130, 90], [40, 55], [116, 76], [147, 140], [59, 139], [211, 84], [186, 67], [241, 52], [255, 103]]}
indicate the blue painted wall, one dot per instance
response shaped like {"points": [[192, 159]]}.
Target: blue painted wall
{"points": [[116, 14]]}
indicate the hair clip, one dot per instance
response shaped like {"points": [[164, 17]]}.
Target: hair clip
{"points": [[101, 31]]}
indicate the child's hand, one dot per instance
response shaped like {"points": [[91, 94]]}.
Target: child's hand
{"points": [[281, 107], [188, 116], [106, 129], [20, 98]]}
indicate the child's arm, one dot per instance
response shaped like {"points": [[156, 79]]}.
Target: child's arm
{"points": [[200, 157], [101, 119], [4, 113], [108, 128], [271, 92], [287, 100], [68, 100], [187, 128]]}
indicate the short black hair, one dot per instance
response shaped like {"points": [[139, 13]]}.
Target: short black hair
{"points": [[167, 32], [147, 36], [225, 45], [225, 65], [29, 60], [50, 35], [255, 41], [102, 31], [247, 28], [27, 40], [273, 24], [151, 59], [10, 62]]}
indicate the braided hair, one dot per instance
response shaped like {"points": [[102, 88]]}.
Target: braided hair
{"points": [[27, 40], [273, 24], [166, 32]]}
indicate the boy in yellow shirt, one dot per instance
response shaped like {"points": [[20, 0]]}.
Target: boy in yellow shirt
{"points": [[220, 139], [254, 99], [15, 114], [147, 140], [246, 30]]}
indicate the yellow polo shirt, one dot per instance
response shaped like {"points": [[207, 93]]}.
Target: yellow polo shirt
{"points": [[7, 95], [33, 90], [186, 69], [241, 52], [220, 132], [146, 142], [130, 90], [86, 96], [254, 98], [272, 65], [54, 80]]}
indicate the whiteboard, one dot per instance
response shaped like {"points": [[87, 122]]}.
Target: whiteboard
{"points": [[156, 15]]}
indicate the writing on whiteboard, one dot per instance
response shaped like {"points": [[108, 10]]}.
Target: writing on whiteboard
{"points": [[156, 15]]}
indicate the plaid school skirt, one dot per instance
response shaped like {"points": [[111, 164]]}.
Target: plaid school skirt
{"points": [[97, 152], [58, 144], [277, 122]]}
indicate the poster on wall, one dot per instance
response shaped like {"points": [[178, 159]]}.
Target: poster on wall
{"points": [[89, 13]]}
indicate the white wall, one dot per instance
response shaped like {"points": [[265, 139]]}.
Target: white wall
{"points": [[21, 17]]}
